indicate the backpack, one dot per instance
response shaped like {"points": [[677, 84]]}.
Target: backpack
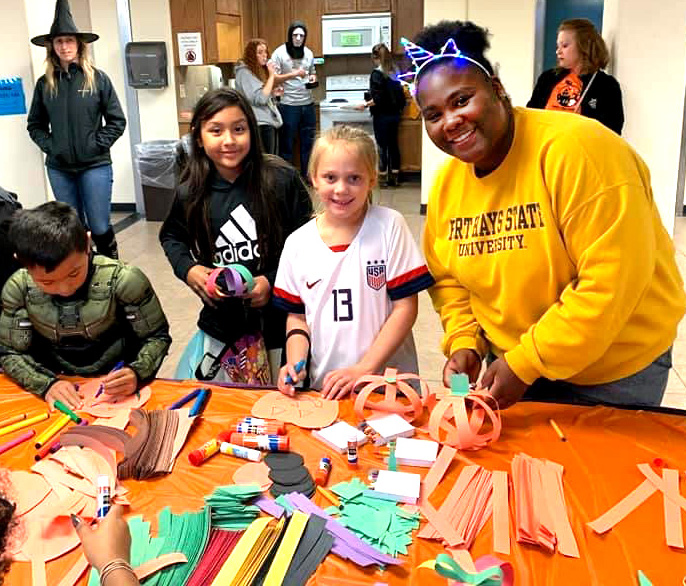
{"points": [[8, 264], [397, 94]]}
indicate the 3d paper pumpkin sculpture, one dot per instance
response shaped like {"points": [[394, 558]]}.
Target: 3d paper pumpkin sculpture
{"points": [[391, 402], [451, 424]]}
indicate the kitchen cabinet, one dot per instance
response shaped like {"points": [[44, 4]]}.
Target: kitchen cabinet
{"points": [[408, 19], [351, 6], [274, 16], [410, 143], [223, 25]]}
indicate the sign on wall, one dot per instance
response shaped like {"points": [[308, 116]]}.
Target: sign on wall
{"points": [[11, 96], [190, 48]]}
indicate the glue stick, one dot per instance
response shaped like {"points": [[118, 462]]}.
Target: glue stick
{"points": [[272, 443], [240, 452], [352, 452], [204, 452], [268, 428], [322, 476], [103, 496]]}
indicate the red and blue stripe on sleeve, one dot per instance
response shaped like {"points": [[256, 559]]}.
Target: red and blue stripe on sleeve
{"points": [[409, 283], [288, 302]]}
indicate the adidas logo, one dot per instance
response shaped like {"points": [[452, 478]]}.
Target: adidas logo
{"points": [[237, 240]]}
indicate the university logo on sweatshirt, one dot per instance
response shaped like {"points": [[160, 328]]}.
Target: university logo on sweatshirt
{"points": [[237, 240]]}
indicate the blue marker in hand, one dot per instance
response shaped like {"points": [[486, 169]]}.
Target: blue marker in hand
{"points": [[297, 367]]}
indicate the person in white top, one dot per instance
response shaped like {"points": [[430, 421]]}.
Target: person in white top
{"points": [[348, 278]]}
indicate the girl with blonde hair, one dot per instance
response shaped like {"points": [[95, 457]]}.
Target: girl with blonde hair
{"points": [[70, 103], [349, 278]]}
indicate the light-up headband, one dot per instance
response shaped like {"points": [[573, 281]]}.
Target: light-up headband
{"points": [[420, 57]]}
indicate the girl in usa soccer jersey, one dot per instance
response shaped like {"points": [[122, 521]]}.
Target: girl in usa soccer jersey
{"points": [[348, 278]]}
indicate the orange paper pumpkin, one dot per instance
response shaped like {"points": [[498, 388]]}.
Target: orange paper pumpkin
{"points": [[391, 402], [450, 423]]}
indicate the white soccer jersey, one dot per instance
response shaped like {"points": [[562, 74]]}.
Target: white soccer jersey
{"points": [[347, 295]]}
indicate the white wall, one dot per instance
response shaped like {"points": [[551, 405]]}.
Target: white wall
{"points": [[21, 162], [512, 28], [151, 21], [649, 61]]}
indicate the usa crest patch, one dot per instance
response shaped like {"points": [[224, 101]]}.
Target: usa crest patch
{"points": [[376, 274]]}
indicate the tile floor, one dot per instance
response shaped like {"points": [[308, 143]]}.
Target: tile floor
{"points": [[138, 244]]}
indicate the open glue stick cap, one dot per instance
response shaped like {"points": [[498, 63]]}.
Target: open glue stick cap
{"points": [[224, 436], [103, 481]]}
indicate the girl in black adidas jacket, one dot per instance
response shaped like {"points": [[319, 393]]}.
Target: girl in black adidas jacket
{"points": [[75, 118], [235, 205]]}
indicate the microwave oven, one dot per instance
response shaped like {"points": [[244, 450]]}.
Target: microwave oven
{"points": [[348, 34]]}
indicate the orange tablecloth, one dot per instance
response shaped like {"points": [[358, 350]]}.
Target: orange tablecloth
{"points": [[600, 468]]}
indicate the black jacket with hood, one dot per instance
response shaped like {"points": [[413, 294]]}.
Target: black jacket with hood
{"points": [[68, 127]]}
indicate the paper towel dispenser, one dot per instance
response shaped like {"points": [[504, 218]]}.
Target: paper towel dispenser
{"points": [[146, 64]]}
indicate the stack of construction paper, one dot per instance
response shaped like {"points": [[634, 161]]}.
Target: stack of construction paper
{"points": [[230, 508], [288, 474], [380, 523], [219, 547]]}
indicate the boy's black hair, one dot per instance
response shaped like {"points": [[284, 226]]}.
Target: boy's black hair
{"points": [[470, 38], [46, 235]]}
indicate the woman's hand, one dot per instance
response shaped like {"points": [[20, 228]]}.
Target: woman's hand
{"points": [[110, 539], [503, 384], [65, 392], [259, 296], [464, 361], [196, 278], [340, 382], [296, 377], [271, 68], [122, 382]]}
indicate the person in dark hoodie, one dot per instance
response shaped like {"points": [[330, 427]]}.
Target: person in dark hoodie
{"points": [[294, 64], [235, 206], [69, 105]]}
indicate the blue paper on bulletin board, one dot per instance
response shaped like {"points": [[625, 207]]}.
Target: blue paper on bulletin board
{"points": [[11, 96]]}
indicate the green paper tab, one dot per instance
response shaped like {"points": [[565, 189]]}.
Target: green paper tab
{"points": [[459, 385]]}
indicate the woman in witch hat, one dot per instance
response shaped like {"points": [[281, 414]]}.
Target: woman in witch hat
{"points": [[70, 103]]}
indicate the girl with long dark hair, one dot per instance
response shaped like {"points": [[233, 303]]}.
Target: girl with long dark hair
{"points": [[235, 205]]}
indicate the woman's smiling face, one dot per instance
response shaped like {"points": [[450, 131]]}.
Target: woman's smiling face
{"points": [[464, 114]]}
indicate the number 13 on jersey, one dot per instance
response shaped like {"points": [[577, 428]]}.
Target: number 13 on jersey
{"points": [[342, 305]]}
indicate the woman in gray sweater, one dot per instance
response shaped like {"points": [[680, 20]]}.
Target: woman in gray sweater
{"points": [[255, 79]]}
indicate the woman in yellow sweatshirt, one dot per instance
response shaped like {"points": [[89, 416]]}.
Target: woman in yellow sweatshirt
{"points": [[543, 237]]}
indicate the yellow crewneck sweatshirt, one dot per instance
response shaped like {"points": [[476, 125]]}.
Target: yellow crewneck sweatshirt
{"points": [[558, 259]]}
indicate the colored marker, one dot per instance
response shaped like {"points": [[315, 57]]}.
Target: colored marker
{"points": [[273, 443], [117, 367], [297, 367], [558, 431], [200, 402], [51, 430], [322, 476], [67, 411], [352, 452], [204, 452], [20, 439], [52, 446], [25, 423], [11, 420], [240, 452], [185, 399], [103, 496], [329, 496]]}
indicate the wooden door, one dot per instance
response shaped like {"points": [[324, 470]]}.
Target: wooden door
{"points": [[272, 23], [408, 21], [339, 6], [310, 12], [186, 17]]}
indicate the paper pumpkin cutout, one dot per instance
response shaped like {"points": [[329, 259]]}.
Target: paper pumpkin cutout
{"points": [[30, 490], [253, 473], [450, 423], [108, 405], [308, 411], [394, 383]]}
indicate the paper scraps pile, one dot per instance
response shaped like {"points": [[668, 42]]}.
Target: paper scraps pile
{"points": [[540, 507], [230, 508], [346, 544], [288, 474], [380, 523], [152, 451]]}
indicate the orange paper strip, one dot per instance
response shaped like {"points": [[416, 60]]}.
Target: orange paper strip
{"points": [[610, 518], [554, 494], [674, 533], [501, 517]]}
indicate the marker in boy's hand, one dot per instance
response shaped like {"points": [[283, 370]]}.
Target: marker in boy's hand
{"points": [[67, 393], [289, 375], [121, 382], [196, 279]]}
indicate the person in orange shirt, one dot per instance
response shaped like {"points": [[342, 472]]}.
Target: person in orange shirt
{"points": [[578, 84]]}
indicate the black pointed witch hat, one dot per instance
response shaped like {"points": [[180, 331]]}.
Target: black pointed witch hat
{"points": [[63, 24]]}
